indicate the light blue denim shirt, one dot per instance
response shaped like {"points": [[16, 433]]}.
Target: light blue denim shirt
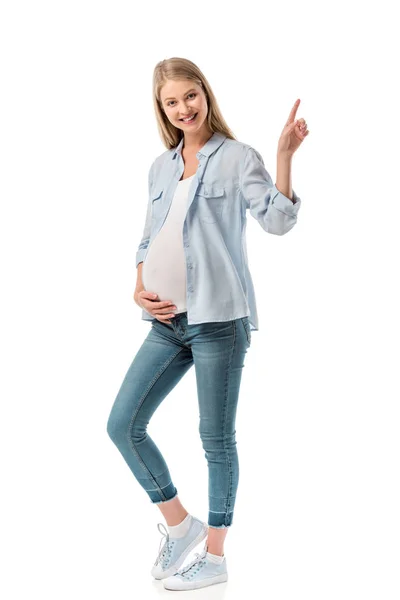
{"points": [[230, 178]]}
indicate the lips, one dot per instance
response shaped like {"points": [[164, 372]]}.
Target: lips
{"points": [[195, 115]]}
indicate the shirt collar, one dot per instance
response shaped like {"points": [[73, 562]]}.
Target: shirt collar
{"points": [[209, 147]]}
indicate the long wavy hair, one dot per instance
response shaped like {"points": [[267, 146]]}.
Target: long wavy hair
{"points": [[182, 68]]}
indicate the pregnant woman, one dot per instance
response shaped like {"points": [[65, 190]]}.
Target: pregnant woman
{"points": [[194, 285]]}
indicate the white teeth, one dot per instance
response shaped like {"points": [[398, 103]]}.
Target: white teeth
{"points": [[188, 119]]}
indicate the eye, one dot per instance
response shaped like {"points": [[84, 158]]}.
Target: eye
{"points": [[191, 94]]}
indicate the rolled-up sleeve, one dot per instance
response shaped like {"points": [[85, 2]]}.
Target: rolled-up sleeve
{"points": [[274, 211], [144, 242]]}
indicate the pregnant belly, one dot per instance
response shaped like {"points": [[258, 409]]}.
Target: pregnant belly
{"points": [[165, 275]]}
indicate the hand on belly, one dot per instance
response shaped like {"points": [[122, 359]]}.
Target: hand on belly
{"points": [[161, 310]]}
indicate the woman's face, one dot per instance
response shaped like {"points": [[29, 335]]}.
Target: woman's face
{"points": [[181, 99]]}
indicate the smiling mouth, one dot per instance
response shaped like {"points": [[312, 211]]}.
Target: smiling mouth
{"points": [[190, 120]]}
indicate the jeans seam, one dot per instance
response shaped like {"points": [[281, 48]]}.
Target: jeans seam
{"points": [[131, 443], [159, 488], [225, 422], [166, 500], [245, 328]]}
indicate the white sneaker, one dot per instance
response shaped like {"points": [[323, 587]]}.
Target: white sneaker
{"points": [[174, 550], [198, 574]]}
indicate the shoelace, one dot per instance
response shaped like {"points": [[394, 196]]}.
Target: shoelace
{"points": [[164, 552], [197, 562]]}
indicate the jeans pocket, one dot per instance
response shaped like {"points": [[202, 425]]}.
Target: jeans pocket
{"points": [[246, 325]]}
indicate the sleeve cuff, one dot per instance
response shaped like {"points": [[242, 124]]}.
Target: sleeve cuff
{"points": [[140, 254], [284, 204]]}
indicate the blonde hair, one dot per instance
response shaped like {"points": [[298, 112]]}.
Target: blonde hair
{"points": [[182, 68]]}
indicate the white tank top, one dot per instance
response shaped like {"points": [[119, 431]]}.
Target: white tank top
{"points": [[164, 268]]}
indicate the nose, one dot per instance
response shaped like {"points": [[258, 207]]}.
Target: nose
{"points": [[185, 111]]}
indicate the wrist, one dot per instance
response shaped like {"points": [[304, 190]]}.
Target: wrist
{"points": [[284, 156], [136, 296]]}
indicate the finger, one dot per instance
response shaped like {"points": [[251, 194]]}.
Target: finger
{"points": [[162, 310], [164, 304], [301, 135], [291, 127], [147, 295], [155, 307], [293, 112], [303, 128], [160, 303], [164, 318]]}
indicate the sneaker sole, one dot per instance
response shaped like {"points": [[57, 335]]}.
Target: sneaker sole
{"points": [[194, 585], [172, 570]]}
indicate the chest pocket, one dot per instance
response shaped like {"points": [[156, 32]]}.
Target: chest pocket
{"points": [[156, 202], [210, 202]]}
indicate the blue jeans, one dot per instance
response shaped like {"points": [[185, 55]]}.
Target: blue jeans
{"points": [[217, 350]]}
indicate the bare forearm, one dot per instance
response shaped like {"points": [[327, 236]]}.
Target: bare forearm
{"points": [[284, 175], [139, 282]]}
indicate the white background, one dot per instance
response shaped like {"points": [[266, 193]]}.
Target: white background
{"points": [[317, 511]]}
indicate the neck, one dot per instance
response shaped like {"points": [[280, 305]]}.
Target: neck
{"points": [[195, 141]]}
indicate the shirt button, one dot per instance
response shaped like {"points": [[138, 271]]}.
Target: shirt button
{"points": [[190, 289], [187, 245], [190, 266]]}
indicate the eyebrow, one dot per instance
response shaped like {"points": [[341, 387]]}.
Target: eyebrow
{"points": [[171, 97]]}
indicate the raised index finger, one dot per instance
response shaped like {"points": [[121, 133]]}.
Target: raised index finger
{"points": [[293, 111]]}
